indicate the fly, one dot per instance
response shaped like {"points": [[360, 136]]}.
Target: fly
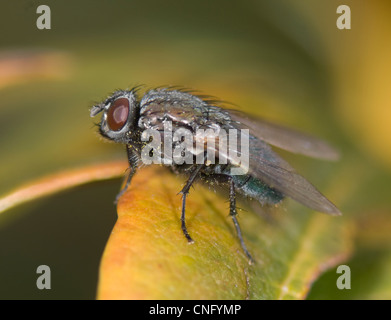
{"points": [[266, 178]]}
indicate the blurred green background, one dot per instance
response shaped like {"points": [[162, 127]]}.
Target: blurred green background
{"points": [[284, 60]]}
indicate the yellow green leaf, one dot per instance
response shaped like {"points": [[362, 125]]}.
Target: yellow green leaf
{"points": [[370, 264], [147, 256]]}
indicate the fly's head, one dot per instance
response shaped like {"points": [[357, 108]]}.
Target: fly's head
{"points": [[119, 119]]}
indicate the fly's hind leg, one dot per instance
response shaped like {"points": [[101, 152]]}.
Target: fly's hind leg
{"points": [[233, 213], [185, 192], [133, 163]]}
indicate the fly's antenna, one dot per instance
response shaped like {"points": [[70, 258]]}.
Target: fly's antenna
{"points": [[96, 109]]}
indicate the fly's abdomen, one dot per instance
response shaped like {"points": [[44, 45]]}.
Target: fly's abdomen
{"points": [[256, 189]]}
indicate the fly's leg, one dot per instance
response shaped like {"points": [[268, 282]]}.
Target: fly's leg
{"points": [[123, 190], [233, 213], [185, 192], [133, 163]]}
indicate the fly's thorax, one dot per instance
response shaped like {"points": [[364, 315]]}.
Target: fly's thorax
{"points": [[156, 114], [181, 108]]}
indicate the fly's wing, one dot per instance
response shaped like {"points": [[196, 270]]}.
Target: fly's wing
{"points": [[285, 138], [290, 183], [267, 166]]}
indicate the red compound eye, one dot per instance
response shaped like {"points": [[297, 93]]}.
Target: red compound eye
{"points": [[117, 115]]}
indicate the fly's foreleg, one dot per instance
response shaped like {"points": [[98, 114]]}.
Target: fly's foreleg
{"points": [[133, 163]]}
